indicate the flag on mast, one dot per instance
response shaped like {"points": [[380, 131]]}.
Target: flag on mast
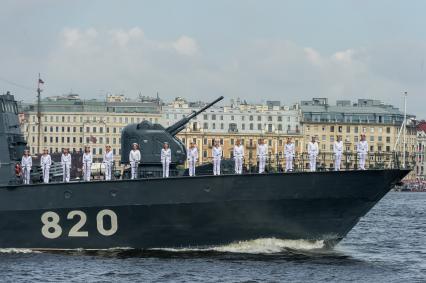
{"points": [[40, 81]]}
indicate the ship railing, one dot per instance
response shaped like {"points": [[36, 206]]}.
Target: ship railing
{"points": [[325, 161], [274, 163]]}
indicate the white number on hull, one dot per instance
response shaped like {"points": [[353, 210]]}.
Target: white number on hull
{"points": [[52, 230], [100, 222], [75, 230]]}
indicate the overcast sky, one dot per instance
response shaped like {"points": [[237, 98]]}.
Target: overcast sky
{"points": [[256, 50]]}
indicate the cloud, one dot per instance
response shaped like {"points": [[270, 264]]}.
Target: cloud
{"points": [[186, 45], [93, 61]]}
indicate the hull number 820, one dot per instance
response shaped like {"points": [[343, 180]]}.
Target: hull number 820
{"points": [[52, 229]]}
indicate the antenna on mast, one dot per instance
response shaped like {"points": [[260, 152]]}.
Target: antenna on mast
{"points": [[39, 83]]}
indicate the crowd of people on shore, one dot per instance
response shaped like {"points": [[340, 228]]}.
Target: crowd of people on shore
{"points": [[192, 158]]}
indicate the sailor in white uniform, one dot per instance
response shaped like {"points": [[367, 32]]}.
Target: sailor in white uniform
{"points": [[362, 150], [108, 162], [87, 164], [338, 151], [217, 157], [26, 163], [192, 158], [66, 165], [313, 151], [289, 155], [262, 154], [166, 158], [134, 159], [238, 157], [45, 163]]}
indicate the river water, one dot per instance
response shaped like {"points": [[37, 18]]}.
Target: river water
{"points": [[388, 245]]}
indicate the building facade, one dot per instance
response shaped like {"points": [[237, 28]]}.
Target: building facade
{"points": [[379, 122], [70, 122], [421, 151], [238, 121]]}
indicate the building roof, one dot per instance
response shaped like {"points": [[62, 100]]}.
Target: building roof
{"points": [[421, 126]]}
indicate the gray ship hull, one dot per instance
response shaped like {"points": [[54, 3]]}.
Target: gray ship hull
{"points": [[189, 211]]}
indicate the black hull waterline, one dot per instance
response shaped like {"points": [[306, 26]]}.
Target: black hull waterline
{"points": [[189, 211]]}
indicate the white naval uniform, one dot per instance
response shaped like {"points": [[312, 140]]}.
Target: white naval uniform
{"points": [[108, 161], [289, 155], [362, 150], [134, 159], [66, 166], [238, 158], [192, 160], [87, 166], [338, 150], [26, 163], [45, 163], [313, 153], [217, 157], [166, 158], [262, 154]]}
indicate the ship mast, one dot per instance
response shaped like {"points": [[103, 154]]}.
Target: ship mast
{"points": [[405, 129], [39, 113]]}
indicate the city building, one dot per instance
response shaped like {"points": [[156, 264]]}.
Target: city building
{"points": [[380, 123], [69, 121], [240, 120], [421, 150]]}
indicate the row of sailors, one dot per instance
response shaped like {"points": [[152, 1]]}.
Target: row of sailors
{"points": [[192, 157], [46, 163]]}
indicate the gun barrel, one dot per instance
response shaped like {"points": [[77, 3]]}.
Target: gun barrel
{"points": [[179, 126]]}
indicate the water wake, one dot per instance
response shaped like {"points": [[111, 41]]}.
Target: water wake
{"points": [[258, 246]]}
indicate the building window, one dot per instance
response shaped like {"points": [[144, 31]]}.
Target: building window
{"points": [[222, 126], [214, 126], [205, 141], [251, 117], [339, 129], [205, 116], [232, 117], [94, 129], [388, 139], [251, 126], [259, 118], [259, 127], [388, 130], [243, 126], [205, 153], [232, 141], [270, 118], [332, 129], [356, 130], [213, 116], [206, 125], [348, 129], [280, 118]]}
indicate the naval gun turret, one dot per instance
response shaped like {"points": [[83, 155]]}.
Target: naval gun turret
{"points": [[151, 137]]}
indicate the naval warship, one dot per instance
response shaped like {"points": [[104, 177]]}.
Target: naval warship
{"points": [[180, 211]]}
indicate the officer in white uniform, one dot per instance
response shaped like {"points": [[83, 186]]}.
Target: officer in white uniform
{"points": [[166, 158], [338, 151], [262, 154], [26, 163], [66, 165], [87, 164], [217, 157], [45, 163], [192, 158], [313, 151], [362, 150], [134, 159], [108, 161], [238, 157], [289, 155]]}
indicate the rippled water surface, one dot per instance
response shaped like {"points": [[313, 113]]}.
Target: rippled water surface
{"points": [[388, 245]]}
